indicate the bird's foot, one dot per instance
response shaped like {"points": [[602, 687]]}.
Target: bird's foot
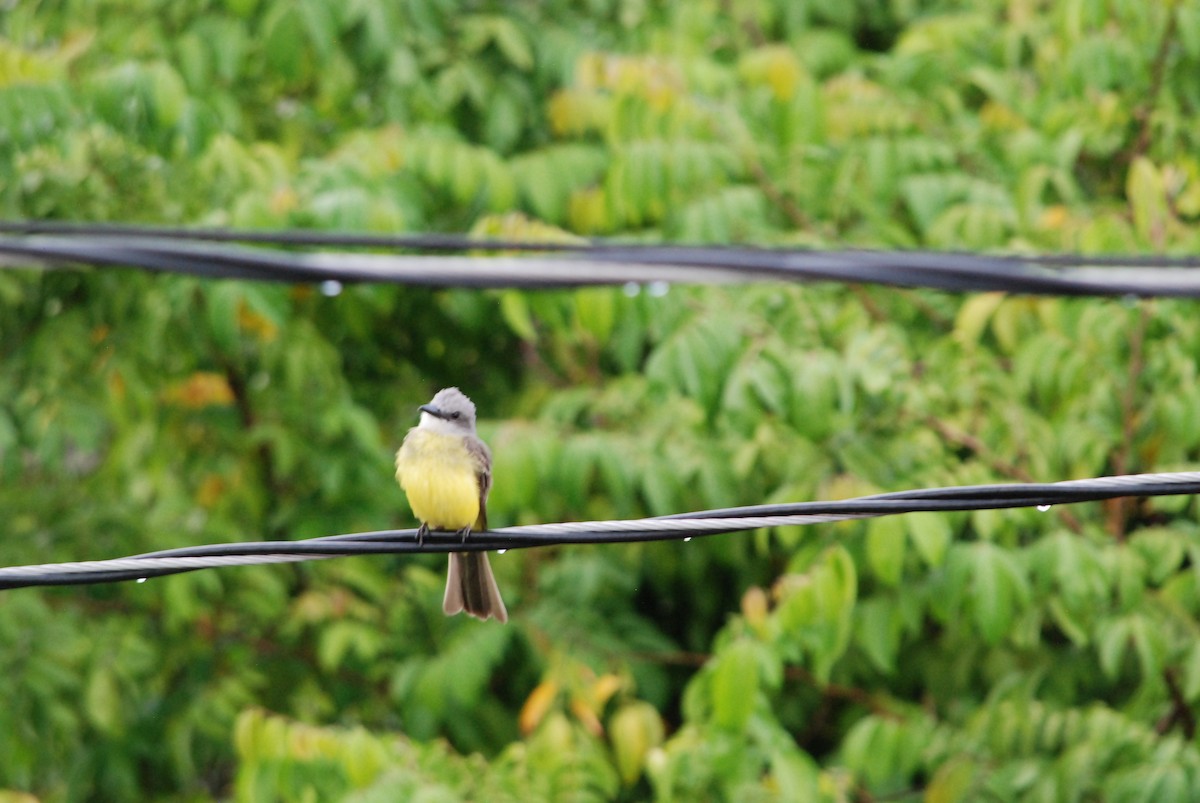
{"points": [[463, 533], [422, 534]]}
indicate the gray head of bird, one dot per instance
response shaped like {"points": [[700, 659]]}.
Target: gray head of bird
{"points": [[449, 411]]}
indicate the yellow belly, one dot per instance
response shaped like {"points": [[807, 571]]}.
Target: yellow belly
{"points": [[438, 475]]}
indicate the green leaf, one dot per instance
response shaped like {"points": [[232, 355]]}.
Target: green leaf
{"points": [[1150, 644], [102, 700], [515, 309], [877, 631], [998, 590], [1188, 28], [953, 781], [973, 317], [735, 682], [634, 731], [1112, 644], [321, 27], [931, 535], [222, 304], [596, 310], [886, 540], [1148, 200], [512, 43], [283, 36], [1191, 672]]}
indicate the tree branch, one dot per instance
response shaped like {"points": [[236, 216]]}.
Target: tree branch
{"points": [[1180, 713], [1158, 69], [1119, 509], [798, 673], [1002, 467]]}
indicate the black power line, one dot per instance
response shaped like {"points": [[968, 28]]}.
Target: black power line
{"points": [[674, 527], [462, 261]]}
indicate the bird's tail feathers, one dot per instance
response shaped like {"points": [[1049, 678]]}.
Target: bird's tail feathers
{"points": [[471, 587]]}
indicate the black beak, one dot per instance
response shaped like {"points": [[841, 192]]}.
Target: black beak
{"points": [[433, 410]]}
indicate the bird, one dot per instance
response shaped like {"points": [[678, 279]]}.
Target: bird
{"points": [[446, 472]]}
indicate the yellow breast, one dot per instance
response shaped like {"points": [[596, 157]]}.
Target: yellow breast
{"points": [[438, 475]]}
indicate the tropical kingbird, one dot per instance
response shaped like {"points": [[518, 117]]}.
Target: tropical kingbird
{"points": [[446, 470]]}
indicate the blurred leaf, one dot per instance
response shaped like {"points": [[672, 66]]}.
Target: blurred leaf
{"points": [[1147, 199], [886, 541], [954, 781], [735, 682], [931, 535], [516, 314], [596, 310], [635, 729], [103, 700]]}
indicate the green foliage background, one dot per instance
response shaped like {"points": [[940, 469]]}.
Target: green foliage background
{"points": [[993, 655]]}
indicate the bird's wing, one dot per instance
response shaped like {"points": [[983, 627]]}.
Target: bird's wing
{"points": [[481, 456]]}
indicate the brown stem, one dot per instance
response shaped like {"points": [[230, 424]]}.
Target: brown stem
{"points": [[1000, 466], [864, 298], [1158, 69], [266, 460], [932, 313], [776, 195], [798, 673], [1181, 712], [1119, 510], [749, 25]]}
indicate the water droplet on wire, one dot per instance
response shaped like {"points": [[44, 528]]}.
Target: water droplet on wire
{"points": [[689, 538], [141, 579], [331, 287], [658, 289], [632, 289], [1043, 508], [501, 551]]}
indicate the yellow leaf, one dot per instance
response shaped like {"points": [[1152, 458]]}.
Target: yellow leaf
{"points": [[1054, 217], [999, 117], [634, 731], [586, 716], [973, 317], [13, 796], [603, 690], [775, 66], [536, 705], [952, 782], [245, 733], [520, 228], [284, 200], [587, 210], [201, 389], [116, 385], [256, 323], [212, 487], [754, 607], [303, 743]]}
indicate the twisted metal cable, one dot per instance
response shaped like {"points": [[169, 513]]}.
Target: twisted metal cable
{"points": [[209, 253], [678, 526]]}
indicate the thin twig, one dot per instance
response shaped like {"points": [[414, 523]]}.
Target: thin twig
{"points": [[1000, 466], [776, 195], [1181, 712], [852, 693], [864, 298], [1158, 69], [1118, 510], [749, 24]]}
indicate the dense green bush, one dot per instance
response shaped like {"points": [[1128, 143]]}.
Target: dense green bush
{"points": [[1028, 654]]}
